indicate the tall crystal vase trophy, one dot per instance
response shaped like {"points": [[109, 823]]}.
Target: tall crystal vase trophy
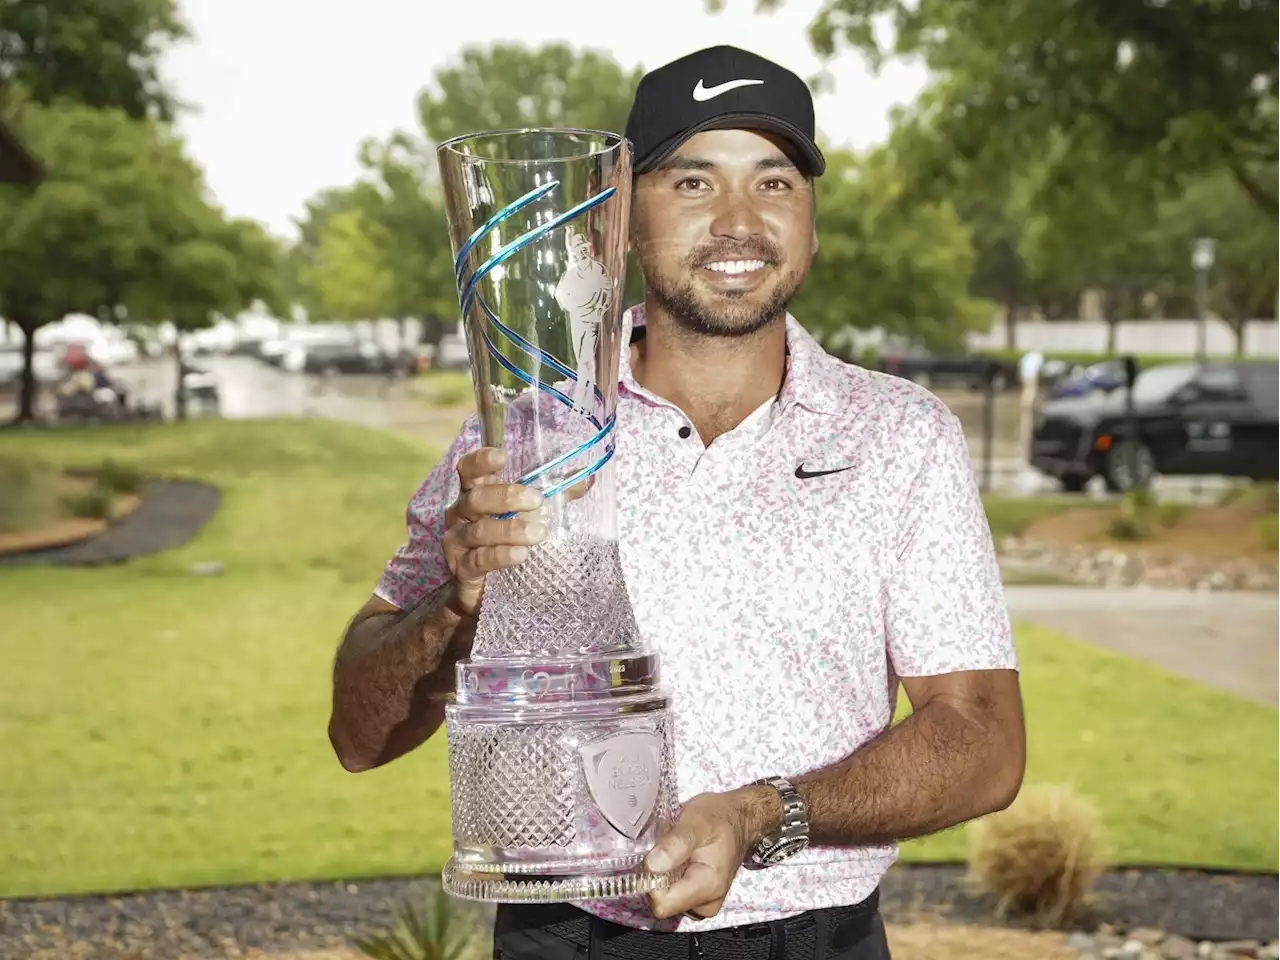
{"points": [[559, 732]]}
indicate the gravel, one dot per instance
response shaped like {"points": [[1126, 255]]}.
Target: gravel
{"points": [[322, 919]]}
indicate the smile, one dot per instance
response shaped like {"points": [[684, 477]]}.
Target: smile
{"points": [[735, 267]]}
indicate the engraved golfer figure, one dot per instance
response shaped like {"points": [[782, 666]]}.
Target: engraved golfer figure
{"points": [[584, 292]]}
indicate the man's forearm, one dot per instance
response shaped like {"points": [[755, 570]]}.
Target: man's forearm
{"points": [[943, 765], [390, 679]]}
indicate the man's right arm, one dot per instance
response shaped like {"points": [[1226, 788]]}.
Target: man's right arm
{"points": [[394, 669], [391, 676]]}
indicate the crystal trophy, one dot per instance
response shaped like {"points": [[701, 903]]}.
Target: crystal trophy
{"points": [[559, 731]]}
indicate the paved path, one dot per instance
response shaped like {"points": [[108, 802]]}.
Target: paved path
{"points": [[171, 513], [1225, 640]]}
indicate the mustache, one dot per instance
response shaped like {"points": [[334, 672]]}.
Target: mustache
{"points": [[759, 249]]}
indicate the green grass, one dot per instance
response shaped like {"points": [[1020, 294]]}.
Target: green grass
{"points": [[1182, 774], [164, 730], [445, 388]]}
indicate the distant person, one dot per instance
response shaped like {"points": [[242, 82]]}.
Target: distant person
{"points": [[800, 535], [1029, 367]]}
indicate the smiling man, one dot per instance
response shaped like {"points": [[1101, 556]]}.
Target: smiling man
{"points": [[799, 536]]}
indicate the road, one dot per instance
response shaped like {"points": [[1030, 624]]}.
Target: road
{"points": [[1224, 640], [251, 388]]}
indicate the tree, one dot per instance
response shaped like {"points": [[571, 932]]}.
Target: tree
{"points": [[75, 242], [1185, 87], [101, 53], [886, 259], [1090, 224], [119, 227], [201, 267], [1243, 280], [509, 85], [388, 230]]}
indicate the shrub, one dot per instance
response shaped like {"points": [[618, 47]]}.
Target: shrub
{"points": [[1268, 528], [26, 494], [1039, 857], [94, 504], [118, 478], [1171, 514], [434, 933], [1133, 522]]}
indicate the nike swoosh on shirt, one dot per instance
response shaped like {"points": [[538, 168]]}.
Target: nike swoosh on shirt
{"points": [[803, 474], [701, 92]]}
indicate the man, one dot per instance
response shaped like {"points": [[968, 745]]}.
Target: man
{"points": [[798, 536], [584, 292]]}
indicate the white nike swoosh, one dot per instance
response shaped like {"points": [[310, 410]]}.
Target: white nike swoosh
{"points": [[701, 92]]}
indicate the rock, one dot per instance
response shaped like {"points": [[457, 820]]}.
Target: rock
{"points": [[1081, 942], [1147, 936], [211, 568], [1238, 948], [1174, 947]]}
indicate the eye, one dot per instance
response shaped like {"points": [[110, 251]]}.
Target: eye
{"points": [[776, 185], [692, 185]]}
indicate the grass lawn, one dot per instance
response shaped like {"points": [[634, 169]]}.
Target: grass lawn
{"points": [[160, 729]]}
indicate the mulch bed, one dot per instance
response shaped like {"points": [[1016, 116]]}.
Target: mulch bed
{"points": [[171, 513], [260, 920]]}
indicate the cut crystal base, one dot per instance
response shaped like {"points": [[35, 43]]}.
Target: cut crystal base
{"points": [[496, 887]]}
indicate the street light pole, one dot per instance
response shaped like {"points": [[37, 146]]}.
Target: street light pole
{"points": [[1202, 259]]}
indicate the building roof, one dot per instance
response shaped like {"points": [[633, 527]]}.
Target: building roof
{"points": [[16, 164]]}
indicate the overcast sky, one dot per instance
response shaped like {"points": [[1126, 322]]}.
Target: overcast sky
{"points": [[286, 89]]}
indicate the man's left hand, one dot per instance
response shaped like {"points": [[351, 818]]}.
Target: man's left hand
{"points": [[710, 840]]}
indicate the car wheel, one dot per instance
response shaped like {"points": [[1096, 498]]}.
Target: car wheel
{"points": [[1128, 465], [1074, 482]]}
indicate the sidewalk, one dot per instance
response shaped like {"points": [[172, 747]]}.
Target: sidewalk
{"points": [[1224, 640]]}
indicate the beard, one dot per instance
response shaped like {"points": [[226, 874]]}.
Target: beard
{"points": [[731, 314]]}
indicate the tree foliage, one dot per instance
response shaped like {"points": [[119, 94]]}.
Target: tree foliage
{"points": [[386, 234], [1185, 87], [120, 227], [887, 259], [100, 53]]}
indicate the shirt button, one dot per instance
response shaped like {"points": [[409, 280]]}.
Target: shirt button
{"points": [[685, 432]]}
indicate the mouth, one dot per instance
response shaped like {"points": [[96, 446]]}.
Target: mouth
{"points": [[735, 268]]}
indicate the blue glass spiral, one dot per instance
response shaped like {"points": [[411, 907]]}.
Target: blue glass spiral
{"points": [[468, 293]]}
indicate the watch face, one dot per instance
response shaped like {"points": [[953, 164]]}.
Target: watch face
{"points": [[787, 848]]}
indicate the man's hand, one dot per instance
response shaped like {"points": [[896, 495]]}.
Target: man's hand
{"points": [[475, 542], [710, 840]]}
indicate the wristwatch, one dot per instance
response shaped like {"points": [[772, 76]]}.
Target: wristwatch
{"points": [[794, 835]]}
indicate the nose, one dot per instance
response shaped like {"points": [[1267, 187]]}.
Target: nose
{"points": [[736, 217]]}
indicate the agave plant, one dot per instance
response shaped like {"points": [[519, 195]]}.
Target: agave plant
{"points": [[434, 932]]}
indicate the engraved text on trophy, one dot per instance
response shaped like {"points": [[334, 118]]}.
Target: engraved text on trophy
{"points": [[623, 775]]}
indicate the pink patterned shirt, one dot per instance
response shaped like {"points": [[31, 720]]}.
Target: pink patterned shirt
{"points": [[784, 607]]}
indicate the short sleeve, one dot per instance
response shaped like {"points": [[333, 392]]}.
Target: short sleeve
{"points": [[945, 608], [418, 566]]}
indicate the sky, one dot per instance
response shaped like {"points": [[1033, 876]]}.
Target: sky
{"points": [[285, 90]]}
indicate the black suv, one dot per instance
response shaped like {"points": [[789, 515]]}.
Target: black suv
{"points": [[1189, 419]]}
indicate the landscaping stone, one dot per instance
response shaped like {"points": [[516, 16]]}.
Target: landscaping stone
{"points": [[1116, 567]]}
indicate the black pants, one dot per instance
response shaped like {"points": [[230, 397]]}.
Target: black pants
{"points": [[563, 932]]}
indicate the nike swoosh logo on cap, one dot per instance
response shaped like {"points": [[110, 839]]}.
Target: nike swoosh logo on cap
{"points": [[702, 92]]}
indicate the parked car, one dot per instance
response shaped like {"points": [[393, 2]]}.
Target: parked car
{"points": [[1190, 420], [1107, 375], [937, 370], [330, 358]]}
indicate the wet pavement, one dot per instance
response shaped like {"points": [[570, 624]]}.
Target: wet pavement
{"points": [[252, 388]]}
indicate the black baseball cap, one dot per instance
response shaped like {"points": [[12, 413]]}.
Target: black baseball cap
{"points": [[716, 89]]}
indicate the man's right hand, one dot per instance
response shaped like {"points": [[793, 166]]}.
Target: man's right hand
{"points": [[476, 542]]}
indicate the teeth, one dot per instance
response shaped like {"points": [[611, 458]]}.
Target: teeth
{"points": [[736, 266]]}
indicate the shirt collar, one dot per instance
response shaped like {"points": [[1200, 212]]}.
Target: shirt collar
{"points": [[811, 379]]}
